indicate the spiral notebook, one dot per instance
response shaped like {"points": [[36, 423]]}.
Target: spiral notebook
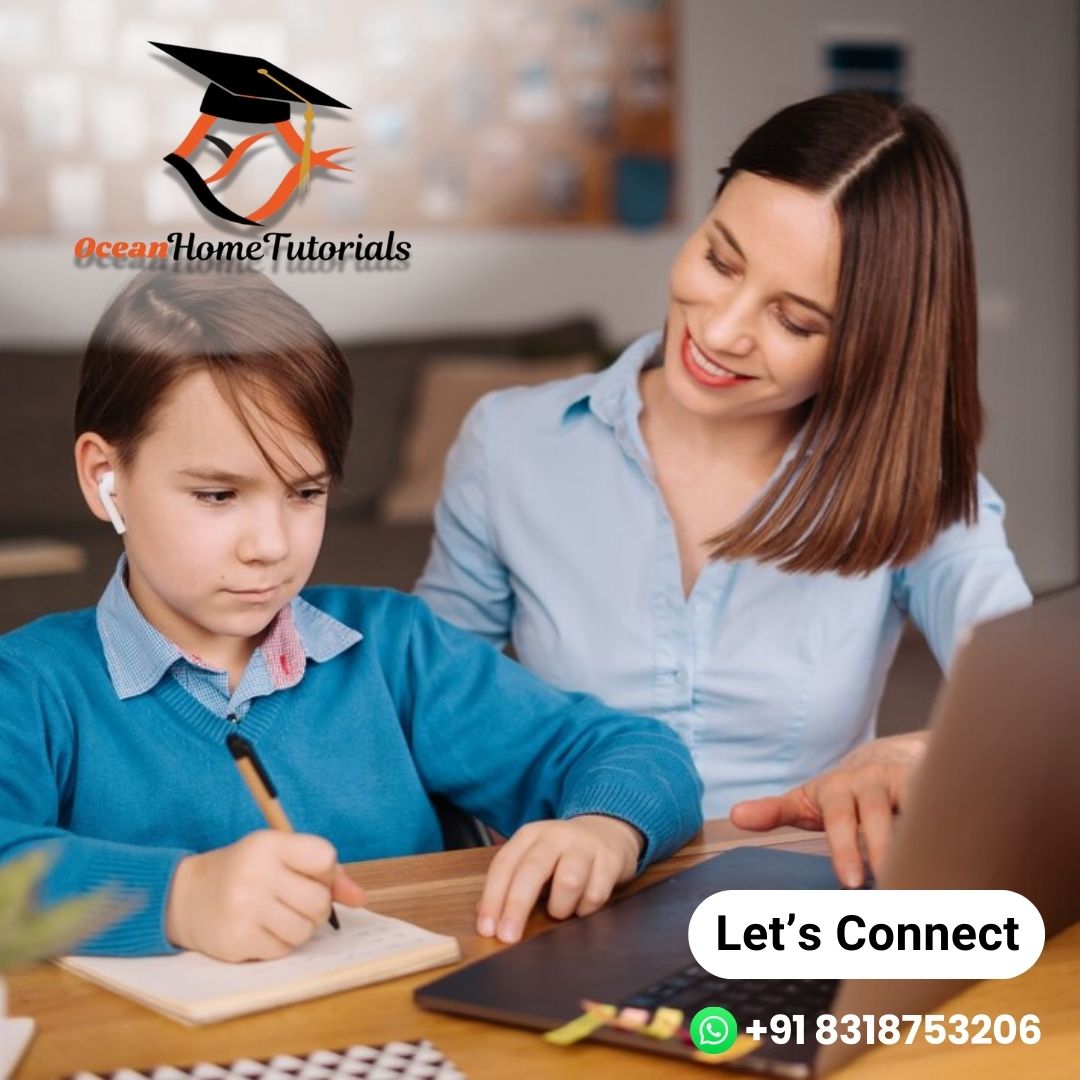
{"points": [[195, 989]]}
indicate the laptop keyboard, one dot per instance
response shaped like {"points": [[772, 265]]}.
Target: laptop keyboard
{"points": [[693, 988]]}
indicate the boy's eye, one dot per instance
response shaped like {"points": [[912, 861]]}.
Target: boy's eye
{"points": [[214, 498]]}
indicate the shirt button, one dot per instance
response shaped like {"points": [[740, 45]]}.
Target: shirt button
{"points": [[680, 676]]}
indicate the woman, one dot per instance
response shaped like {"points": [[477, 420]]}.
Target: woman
{"points": [[726, 529]]}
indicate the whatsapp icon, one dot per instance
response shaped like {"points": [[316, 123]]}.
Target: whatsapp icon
{"points": [[713, 1030]]}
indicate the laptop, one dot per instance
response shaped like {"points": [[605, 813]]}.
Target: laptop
{"points": [[992, 807]]}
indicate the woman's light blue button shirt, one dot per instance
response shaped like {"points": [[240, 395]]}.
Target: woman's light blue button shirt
{"points": [[552, 533]]}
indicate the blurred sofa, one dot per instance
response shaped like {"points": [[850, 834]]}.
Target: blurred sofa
{"points": [[377, 533]]}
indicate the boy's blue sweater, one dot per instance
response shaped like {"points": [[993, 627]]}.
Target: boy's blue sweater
{"points": [[126, 789]]}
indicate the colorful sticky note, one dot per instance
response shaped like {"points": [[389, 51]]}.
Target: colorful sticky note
{"points": [[581, 1027], [665, 1023], [632, 1019]]}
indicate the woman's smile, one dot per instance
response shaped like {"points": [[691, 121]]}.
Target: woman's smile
{"points": [[706, 371]]}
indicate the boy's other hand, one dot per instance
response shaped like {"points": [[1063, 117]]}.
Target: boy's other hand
{"points": [[583, 857], [256, 899]]}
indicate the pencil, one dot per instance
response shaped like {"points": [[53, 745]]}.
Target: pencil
{"points": [[262, 789]]}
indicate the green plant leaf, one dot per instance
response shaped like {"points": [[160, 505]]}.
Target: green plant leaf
{"points": [[19, 880], [57, 930], [29, 934]]}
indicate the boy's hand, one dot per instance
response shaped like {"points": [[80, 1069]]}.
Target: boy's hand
{"points": [[258, 898], [584, 858]]}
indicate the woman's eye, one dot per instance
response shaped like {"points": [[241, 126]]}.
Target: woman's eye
{"points": [[791, 327], [717, 263], [214, 498], [312, 494]]}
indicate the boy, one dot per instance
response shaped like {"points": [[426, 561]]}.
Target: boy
{"points": [[212, 417]]}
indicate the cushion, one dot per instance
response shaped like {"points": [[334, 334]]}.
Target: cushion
{"points": [[385, 374], [446, 391]]}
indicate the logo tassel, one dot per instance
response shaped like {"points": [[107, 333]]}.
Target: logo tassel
{"points": [[309, 124], [305, 156]]}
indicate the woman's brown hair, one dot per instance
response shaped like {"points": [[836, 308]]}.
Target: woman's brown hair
{"points": [[887, 456], [261, 348]]}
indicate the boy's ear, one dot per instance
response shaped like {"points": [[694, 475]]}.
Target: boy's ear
{"points": [[94, 458]]}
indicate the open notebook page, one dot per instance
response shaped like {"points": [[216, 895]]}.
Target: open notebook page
{"points": [[198, 990]]}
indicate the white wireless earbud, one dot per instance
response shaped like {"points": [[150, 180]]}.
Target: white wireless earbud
{"points": [[105, 493]]}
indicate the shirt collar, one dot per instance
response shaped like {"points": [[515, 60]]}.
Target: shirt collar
{"points": [[615, 398], [614, 395], [137, 654]]}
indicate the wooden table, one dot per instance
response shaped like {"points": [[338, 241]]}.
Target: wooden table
{"points": [[83, 1027]]}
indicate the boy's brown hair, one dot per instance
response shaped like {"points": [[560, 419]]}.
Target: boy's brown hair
{"points": [[261, 348], [888, 451]]}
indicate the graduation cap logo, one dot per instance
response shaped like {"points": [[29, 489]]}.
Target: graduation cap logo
{"points": [[250, 90]]}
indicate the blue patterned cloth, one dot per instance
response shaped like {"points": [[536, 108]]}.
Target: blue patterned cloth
{"points": [[138, 655]]}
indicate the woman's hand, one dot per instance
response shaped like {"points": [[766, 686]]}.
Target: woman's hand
{"points": [[583, 857], [865, 789]]}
